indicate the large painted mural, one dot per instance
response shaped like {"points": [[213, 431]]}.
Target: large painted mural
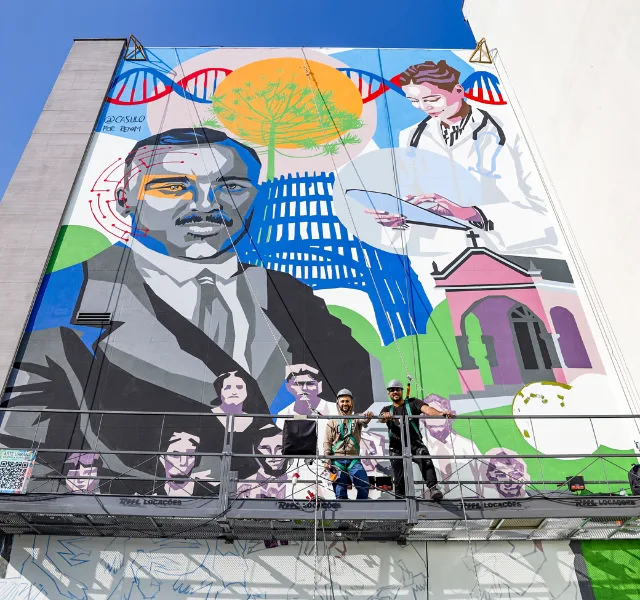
{"points": [[63, 568], [254, 229]]}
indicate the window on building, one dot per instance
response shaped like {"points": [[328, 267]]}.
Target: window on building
{"points": [[571, 344]]}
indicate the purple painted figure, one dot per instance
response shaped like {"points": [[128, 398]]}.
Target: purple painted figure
{"points": [[83, 465], [271, 477], [303, 383], [180, 467], [442, 439], [234, 396], [507, 474], [232, 392]]}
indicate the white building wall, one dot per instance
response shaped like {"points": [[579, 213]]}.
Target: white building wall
{"points": [[573, 66], [72, 568]]}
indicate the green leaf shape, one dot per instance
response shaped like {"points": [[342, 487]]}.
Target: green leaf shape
{"points": [[331, 149], [350, 138], [75, 244], [213, 123], [308, 144]]}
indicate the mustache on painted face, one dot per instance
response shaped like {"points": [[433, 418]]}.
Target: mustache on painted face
{"points": [[218, 217]]}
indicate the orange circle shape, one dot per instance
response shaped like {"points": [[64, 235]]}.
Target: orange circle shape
{"points": [[253, 105]]}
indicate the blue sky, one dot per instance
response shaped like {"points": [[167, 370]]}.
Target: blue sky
{"points": [[36, 35]]}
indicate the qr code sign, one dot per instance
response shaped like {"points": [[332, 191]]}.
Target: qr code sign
{"points": [[15, 470]]}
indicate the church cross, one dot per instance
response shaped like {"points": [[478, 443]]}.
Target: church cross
{"points": [[473, 236]]}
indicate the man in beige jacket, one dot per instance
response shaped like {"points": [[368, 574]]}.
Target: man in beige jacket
{"points": [[342, 440]]}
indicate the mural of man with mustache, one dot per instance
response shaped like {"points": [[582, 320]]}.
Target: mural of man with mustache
{"points": [[184, 311]]}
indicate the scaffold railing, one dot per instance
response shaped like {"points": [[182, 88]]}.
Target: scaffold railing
{"points": [[188, 485]]}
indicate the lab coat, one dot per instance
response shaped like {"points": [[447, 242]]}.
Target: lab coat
{"points": [[510, 192]]}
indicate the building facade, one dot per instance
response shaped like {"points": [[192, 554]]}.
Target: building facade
{"points": [[232, 236]]}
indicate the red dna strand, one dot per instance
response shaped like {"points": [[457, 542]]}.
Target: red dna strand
{"points": [[371, 85], [146, 84], [142, 85], [484, 87]]}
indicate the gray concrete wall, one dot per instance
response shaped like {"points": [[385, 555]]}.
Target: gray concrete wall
{"points": [[35, 200]]}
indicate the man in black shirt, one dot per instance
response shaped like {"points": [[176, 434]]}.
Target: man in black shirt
{"points": [[399, 408]]}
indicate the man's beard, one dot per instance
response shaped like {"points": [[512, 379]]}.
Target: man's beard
{"points": [[441, 433], [514, 490], [305, 404]]}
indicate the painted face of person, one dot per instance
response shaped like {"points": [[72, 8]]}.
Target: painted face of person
{"points": [[305, 387], [374, 444], [435, 101], [440, 428], [508, 476], [82, 485], [272, 445], [192, 199], [234, 390], [182, 465]]}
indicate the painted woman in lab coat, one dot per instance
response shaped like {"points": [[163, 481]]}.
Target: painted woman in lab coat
{"points": [[509, 211]]}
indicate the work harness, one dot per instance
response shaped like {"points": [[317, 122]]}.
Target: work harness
{"points": [[414, 422], [344, 435]]}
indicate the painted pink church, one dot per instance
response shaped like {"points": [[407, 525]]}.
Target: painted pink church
{"points": [[533, 325]]}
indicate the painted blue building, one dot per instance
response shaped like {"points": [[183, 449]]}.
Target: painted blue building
{"points": [[295, 230]]}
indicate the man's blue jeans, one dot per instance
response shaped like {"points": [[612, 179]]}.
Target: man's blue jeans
{"points": [[356, 473]]}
